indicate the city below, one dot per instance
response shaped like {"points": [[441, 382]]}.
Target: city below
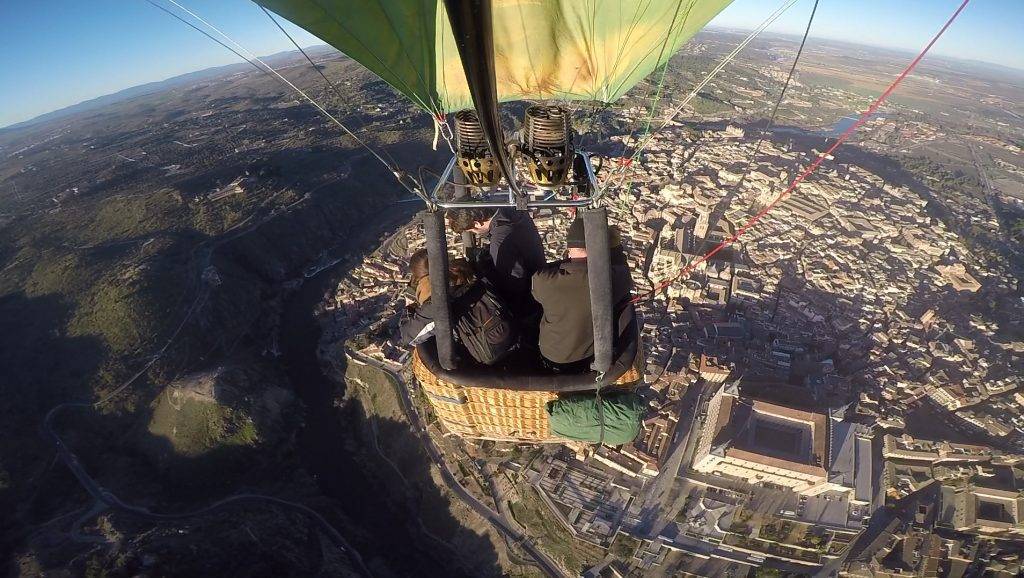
{"points": [[203, 282], [805, 384]]}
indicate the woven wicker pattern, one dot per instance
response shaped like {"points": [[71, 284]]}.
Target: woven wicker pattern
{"points": [[483, 412]]}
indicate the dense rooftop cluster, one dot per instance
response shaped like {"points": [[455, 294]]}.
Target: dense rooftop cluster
{"points": [[849, 299]]}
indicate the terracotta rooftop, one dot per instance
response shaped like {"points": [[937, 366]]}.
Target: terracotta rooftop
{"points": [[738, 416]]}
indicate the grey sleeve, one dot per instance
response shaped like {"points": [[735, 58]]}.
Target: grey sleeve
{"points": [[419, 326]]}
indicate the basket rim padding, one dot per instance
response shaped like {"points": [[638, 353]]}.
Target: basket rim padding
{"points": [[533, 377]]}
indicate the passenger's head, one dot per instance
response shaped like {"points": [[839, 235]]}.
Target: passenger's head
{"points": [[477, 220], [460, 271], [418, 267], [576, 240]]}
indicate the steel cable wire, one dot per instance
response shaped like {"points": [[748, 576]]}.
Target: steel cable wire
{"points": [[864, 116], [330, 83], [252, 59]]}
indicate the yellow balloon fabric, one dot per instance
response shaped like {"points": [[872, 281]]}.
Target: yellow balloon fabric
{"points": [[592, 50]]}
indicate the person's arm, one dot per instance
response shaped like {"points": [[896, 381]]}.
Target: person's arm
{"points": [[483, 263], [419, 326], [533, 249]]}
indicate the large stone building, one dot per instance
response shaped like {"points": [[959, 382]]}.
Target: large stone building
{"points": [[762, 442], [987, 510], [652, 445], [667, 259], [805, 207], [957, 276], [852, 461]]}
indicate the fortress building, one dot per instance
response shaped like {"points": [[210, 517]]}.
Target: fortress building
{"points": [[763, 442]]}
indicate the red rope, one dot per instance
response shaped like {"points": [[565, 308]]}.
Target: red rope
{"points": [[813, 166]]}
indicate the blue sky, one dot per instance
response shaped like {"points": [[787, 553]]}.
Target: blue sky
{"points": [[987, 30], [59, 52]]}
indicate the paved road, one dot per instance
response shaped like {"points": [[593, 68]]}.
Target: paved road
{"points": [[500, 499], [991, 196], [105, 499], [546, 564], [996, 204], [201, 255], [655, 498]]}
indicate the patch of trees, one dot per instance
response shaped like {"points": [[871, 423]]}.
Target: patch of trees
{"points": [[955, 181]]}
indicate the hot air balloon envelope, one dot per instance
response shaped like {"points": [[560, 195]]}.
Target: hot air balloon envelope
{"points": [[592, 50]]}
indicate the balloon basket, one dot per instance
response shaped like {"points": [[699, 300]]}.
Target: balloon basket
{"points": [[494, 413]]}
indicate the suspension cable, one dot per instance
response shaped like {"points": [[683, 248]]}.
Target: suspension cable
{"points": [[396, 171], [782, 95], [664, 73], [707, 79], [300, 49], [864, 116], [330, 83], [724, 202], [208, 35]]}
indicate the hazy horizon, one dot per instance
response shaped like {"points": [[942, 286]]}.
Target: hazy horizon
{"points": [[205, 54]]}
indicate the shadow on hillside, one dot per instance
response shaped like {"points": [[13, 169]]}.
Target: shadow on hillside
{"points": [[410, 502], [238, 539], [211, 433], [336, 448], [38, 363], [374, 507], [381, 525], [40, 367], [368, 501], [376, 510]]}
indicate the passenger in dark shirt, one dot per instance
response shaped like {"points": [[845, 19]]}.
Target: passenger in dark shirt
{"points": [[514, 251], [563, 291], [480, 323]]}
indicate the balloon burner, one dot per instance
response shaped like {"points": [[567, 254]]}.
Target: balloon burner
{"points": [[547, 145], [474, 158]]}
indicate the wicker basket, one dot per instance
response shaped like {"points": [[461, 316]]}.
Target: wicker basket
{"points": [[498, 414]]}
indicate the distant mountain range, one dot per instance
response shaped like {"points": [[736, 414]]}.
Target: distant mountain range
{"points": [[993, 71], [278, 59]]}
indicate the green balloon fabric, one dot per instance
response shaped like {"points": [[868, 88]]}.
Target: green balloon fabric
{"points": [[577, 417], [592, 50]]}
